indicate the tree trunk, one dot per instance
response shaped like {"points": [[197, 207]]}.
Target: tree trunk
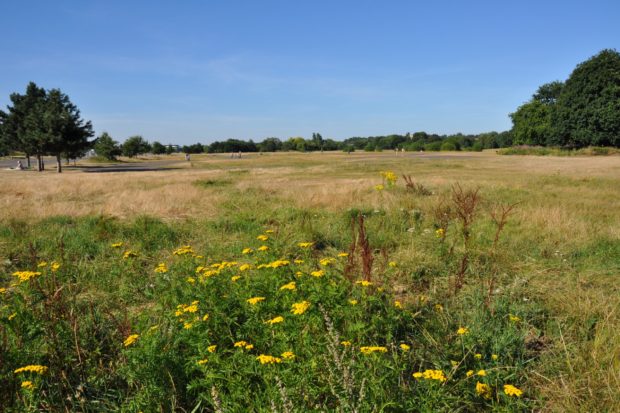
{"points": [[28, 159], [39, 163], [58, 163]]}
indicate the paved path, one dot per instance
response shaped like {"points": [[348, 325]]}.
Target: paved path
{"points": [[50, 165]]}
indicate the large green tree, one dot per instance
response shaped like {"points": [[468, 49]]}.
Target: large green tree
{"points": [[532, 121], [106, 147], [588, 109], [134, 146], [44, 122]]}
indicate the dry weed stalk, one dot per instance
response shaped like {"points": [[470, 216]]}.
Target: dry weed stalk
{"points": [[359, 242], [465, 203], [217, 403], [415, 187], [499, 215], [340, 377], [287, 406]]}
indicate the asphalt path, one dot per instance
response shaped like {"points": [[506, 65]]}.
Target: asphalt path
{"points": [[50, 164]]}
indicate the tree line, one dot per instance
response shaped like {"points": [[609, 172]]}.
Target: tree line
{"points": [[582, 111], [44, 122]]}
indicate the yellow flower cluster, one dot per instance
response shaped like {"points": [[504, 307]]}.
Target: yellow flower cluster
{"points": [[247, 251], [379, 187], [483, 390], [262, 238], [34, 368], [327, 261], [300, 308], [266, 359], [462, 331], [28, 385], [55, 266], [275, 320], [203, 361], [161, 268], [511, 390], [130, 340], [389, 176], [305, 244], [274, 264], [405, 347], [211, 349], [431, 375], [244, 344], [373, 349], [186, 308], [288, 355], [255, 300], [364, 283], [289, 286], [184, 250], [439, 233], [24, 276], [345, 343], [116, 245], [130, 254], [318, 273], [263, 248], [219, 266]]}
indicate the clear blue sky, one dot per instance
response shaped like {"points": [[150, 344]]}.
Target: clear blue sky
{"points": [[189, 71]]}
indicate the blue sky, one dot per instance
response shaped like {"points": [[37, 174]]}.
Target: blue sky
{"points": [[198, 71]]}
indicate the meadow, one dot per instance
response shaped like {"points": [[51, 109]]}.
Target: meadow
{"points": [[293, 282]]}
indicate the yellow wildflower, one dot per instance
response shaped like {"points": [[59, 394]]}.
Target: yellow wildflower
{"points": [[300, 308], [511, 390], [244, 267], [379, 187], [439, 233], [345, 343], [263, 248], [462, 331], [454, 363], [28, 385], [130, 254], [190, 280], [266, 359], [203, 361], [305, 244], [514, 318], [184, 250], [288, 355], [205, 317], [318, 273], [469, 373], [211, 349], [247, 251], [55, 266], [327, 261], [343, 254], [439, 308], [33, 368], [392, 264], [398, 304], [2, 290], [483, 390], [431, 375], [372, 349], [130, 340], [255, 300], [234, 278], [161, 268], [262, 238], [298, 261], [249, 346], [187, 325], [289, 286], [364, 283], [405, 347], [116, 245], [353, 302], [275, 320], [481, 373], [269, 231], [478, 356], [241, 343], [24, 276], [42, 264], [11, 316], [494, 357]]}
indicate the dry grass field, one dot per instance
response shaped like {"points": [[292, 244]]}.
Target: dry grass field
{"points": [[562, 242]]}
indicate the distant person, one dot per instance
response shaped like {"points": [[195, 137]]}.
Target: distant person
{"points": [[187, 156], [239, 154], [19, 165]]}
